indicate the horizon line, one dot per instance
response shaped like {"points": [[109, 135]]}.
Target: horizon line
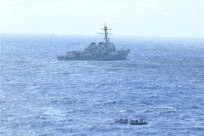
{"points": [[94, 35]]}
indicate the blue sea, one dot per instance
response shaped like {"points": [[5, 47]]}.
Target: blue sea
{"points": [[162, 82]]}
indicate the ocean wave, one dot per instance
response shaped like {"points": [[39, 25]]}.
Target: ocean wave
{"points": [[162, 84]]}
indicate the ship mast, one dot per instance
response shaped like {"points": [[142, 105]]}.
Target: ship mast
{"points": [[106, 33]]}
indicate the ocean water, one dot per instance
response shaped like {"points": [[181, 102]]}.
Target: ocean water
{"points": [[162, 82]]}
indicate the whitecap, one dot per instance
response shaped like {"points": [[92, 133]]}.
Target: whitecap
{"points": [[123, 111], [169, 108], [2, 94], [54, 113]]}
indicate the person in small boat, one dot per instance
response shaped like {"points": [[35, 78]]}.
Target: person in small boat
{"points": [[141, 120], [119, 120]]}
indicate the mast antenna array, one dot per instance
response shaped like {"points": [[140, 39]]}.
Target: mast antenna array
{"points": [[106, 33]]}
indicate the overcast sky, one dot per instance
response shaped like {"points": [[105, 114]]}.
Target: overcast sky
{"points": [[167, 18]]}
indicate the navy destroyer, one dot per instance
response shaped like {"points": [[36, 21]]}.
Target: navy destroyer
{"points": [[104, 51]]}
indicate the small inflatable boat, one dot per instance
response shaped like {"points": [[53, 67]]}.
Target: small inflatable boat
{"points": [[131, 122], [137, 122], [122, 121]]}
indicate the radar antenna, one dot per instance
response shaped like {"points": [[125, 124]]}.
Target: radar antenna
{"points": [[106, 33]]}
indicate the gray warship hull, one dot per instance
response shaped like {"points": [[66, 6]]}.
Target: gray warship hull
{"points": [[122, 56]]}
